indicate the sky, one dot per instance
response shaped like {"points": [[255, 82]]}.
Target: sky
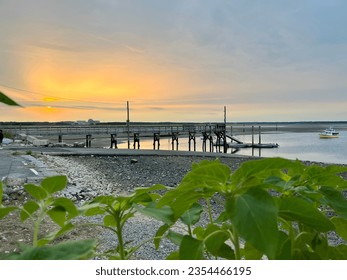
{"points": [[179, 61]]}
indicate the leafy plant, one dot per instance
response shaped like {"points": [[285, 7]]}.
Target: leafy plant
{"points": [[44, 204], [116, 212], [272, 208]]}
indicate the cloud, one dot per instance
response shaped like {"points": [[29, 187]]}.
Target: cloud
{"points": [[165, 53]]}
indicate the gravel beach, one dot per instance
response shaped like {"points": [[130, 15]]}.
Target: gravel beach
{"points": [[91, 175], [120, 175]]}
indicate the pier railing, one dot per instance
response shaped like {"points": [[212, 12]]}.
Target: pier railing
{"points": [[149, 129]]}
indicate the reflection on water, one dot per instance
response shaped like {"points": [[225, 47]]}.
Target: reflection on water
{"points": [[303, 146], [306, 146]]}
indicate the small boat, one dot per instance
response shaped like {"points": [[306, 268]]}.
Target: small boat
{"points": [[329, 133]]}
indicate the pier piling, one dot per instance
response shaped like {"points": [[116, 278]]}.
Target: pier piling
{"points": [[137, 140], [207, 137], [192, 138], [114, 141], [174, 139], [156, 140], [88, 140]]}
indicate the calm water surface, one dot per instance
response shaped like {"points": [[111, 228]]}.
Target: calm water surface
{"points": [[303, 146]]}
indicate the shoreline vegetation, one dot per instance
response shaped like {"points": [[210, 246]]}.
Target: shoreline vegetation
{"points": [[92, 175]]}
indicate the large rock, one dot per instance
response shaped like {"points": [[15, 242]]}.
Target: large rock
{"points": [[7, 141]]}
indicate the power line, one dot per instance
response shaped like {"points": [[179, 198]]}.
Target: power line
{"points": [[57, 97]]}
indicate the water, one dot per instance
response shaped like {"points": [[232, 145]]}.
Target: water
{"points": [[303, 146], [292, 145]]}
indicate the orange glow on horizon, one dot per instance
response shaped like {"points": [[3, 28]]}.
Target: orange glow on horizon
{"points": [[101, 82], [82, 86]]}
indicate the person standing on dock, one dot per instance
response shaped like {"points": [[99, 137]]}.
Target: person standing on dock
{"points": [[1, 137]]}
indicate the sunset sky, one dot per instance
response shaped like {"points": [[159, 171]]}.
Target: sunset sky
{"points": [[182, 60]]}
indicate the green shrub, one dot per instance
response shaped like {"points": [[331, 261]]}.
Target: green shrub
{"points": [[272, 208]]}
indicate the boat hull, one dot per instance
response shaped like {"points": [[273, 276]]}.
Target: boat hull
{"points": [[325, 136]]}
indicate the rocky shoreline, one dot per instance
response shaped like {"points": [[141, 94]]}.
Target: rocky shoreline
{"points": [[120, 175], [90, 176]]}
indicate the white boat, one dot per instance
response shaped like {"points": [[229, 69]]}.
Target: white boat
{"points": [[329, 133]]}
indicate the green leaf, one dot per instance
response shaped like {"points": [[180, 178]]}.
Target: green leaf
{"points": [[8, 101], [54, 235], [321, 176], [54, 184], [156, 187], [108, 200], [29, 208], [58, 215], [68, 205], [191, 249], [338, 253], [208, 174], [92, 209], [173, 256], [4, 211], [205, 179], [185, 201], [254, 215], [175, 237], [215, 244], [164, 214], [192, 216], [159, 234], [36, 192], [72, 250], [254, 172], [284, 247], [251, 253], [297, 209], [110, 221], [340, 226], [335, 199]]}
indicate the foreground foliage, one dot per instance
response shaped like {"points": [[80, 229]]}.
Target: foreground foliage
{"points": [[270, 208]]}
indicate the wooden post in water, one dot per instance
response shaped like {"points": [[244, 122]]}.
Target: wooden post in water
{"points": [[88, 140], [252, 135], [137, 140], [156, 139], [259, 134], [191, 138], [114, 140], [174, 138]]}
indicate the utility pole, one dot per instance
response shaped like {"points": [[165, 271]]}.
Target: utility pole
{"points": [[128, 124]]}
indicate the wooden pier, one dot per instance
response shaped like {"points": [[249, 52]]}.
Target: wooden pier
{"points": [[214, 136]]}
